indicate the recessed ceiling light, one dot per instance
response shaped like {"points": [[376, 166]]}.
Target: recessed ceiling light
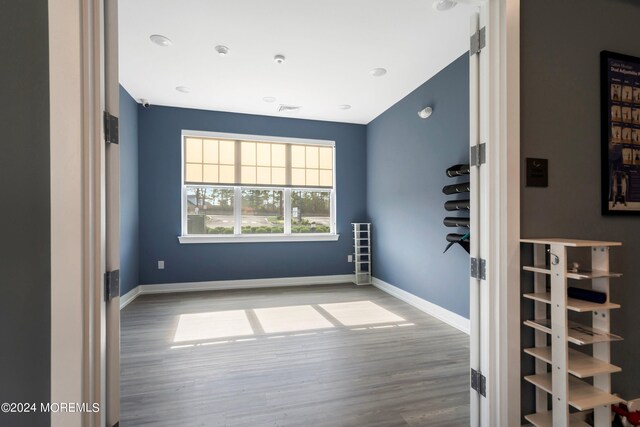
{"points": [[222, 50], [269, 99], [344, 106], [442, 5], [183, 89], [279, 59], [378, 72], [289, 108], [160, 40]]}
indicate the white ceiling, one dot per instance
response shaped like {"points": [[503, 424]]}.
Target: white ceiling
{"points": [[330, 46]]}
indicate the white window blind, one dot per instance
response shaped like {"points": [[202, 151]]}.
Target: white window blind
{"points": [[212, 161]]}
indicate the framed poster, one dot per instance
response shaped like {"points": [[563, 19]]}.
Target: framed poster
{"points": [[620, 103]]}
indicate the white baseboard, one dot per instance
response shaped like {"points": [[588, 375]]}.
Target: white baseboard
{"points": [[127, 298], [233, 284], [430, 308]]}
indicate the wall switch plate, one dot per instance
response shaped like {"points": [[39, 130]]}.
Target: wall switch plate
{"points": [[537, 172], [160, 265], [350, 258]]}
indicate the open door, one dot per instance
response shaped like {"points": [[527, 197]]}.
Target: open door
{"points": [[477, 248], [495, 214]]}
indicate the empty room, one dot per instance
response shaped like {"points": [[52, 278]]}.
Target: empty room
{"points": [[281, 213], [285, 213]]}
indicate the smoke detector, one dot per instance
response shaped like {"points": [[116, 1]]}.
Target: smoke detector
{"points": [[222, 50], [289, 108], [279, 59]]}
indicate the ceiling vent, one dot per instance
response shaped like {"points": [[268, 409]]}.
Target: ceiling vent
{"points": [[289, 108]]}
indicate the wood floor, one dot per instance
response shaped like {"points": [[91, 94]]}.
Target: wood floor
{"points": [[298, 357]]}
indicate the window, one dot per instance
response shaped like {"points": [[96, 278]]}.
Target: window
{"points": [[262, 211], [245, 188], [310, 211]]}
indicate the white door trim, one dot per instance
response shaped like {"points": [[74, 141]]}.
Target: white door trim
{"points": [[503, 209], [77, 196], [507, 229], [67, 209]]}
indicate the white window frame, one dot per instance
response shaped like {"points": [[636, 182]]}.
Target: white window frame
{"points": [[238, 237]]}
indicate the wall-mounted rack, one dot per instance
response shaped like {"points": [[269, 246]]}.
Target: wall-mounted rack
{"points": [[457, 206]]}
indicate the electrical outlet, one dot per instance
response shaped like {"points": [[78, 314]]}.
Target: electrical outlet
{"points": [[160, 265], [350, 258]]}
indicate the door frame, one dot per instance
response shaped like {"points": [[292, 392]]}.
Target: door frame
{"points": [[69, 295], [82, 365], [499, 295], [78, 216], [495, 214]]}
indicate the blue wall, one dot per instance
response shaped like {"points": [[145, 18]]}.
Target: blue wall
{"points": [[406, 161], [159, 196], [128, 192]]}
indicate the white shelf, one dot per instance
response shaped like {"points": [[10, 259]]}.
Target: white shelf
{"points": [[363, 278], [579, 275], [362, 260], [574, 304], [545, 419], [578, 333], [582, 396], [552, 338], [581, 365], [574, 243]]}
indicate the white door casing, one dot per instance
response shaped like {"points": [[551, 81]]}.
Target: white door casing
{"points": [[495, 214], [84, 237]]}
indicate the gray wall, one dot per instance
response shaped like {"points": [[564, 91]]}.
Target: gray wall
{"points": [[25, 289], [129, 222], [406, 162], [561, 42]]}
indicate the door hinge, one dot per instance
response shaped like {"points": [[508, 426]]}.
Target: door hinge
{"points": [[478, 41], [479, 268], [111, 284], [479, 382], [478, 155], [110, 129]]}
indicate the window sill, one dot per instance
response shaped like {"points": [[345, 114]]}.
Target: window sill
{"points": [[256, 238]]}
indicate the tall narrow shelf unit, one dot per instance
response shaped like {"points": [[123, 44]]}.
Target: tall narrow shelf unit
{"points": [[362, 252], [559, 368]]}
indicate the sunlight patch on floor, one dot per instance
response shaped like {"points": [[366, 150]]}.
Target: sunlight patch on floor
{"points": [[234, 325], [291, 319], [213, 325], [360, 313]]}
